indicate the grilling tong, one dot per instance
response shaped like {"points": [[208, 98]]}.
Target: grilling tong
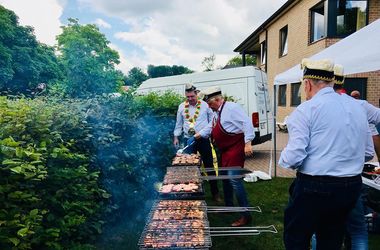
{"points": [[180, 151]]}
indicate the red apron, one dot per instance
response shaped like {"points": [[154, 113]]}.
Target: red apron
{"points": [[231, 145]]}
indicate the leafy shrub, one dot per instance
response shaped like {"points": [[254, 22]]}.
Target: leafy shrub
{"points": [[48, 193], [74, 169]]}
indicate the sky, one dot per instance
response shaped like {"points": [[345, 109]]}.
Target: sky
{"points": [[158, 32]]}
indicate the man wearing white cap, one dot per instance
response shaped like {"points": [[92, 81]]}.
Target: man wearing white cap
{"points": [[193, 116], [328, 160], [232, 132]]}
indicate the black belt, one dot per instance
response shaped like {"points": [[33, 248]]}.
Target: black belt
{"points": [[328, 178]]}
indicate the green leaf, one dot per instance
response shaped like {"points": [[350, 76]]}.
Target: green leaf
{"points": [[106, 196], [17, 170], [34, 212], [15, 241], [11, 162], [23, 231]]}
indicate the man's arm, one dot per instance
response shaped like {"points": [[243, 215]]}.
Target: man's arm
{"points": [[241, 117], [295, 151], [178, 127], [369, 149], [373, 113]]}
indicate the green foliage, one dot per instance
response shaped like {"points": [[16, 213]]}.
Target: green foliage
{"points": [[135, 77], [165, 70], [88, 60], [48, 194], [237, 61], [76, 169], [24, 63]]}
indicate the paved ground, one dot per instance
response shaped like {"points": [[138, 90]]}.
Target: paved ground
{"points": [[263, 158]]}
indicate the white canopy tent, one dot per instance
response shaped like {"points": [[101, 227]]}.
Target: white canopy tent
{"points": [[357, 53]]}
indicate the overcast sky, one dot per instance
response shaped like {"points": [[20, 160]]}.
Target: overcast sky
{"points": [[180, 32]]}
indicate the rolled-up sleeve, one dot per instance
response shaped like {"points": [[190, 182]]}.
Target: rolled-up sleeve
{"points": [[239, 115], [369, 149], [179, 122], [295, 151]]}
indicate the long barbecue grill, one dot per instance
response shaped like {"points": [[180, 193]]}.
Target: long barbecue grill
{"points": [[179, 220]]}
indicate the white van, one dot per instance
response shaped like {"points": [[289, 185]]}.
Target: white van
{"points": [[247, 85]]}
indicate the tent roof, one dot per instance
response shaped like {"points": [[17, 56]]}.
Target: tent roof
{"points": [[359, 52]]}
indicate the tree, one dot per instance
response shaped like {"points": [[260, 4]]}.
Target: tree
{"points": [[238, 61], [88, 61], [208, 63], [165, 70], [135, 77], [24, 62]]}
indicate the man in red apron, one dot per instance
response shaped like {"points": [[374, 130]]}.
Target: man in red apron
{"points": [[232, 132]]}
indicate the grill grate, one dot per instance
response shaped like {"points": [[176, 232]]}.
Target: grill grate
{"points": [[177, 224]]}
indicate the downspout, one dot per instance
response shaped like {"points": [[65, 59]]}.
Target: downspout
{"points": [[266, 50], [243, 59]]}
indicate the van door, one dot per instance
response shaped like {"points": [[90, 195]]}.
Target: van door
{"points": [[264, 106]]}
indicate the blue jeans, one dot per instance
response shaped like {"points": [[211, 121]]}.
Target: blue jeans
{"points": [[356, 229], [319, 205], [235, 185]]}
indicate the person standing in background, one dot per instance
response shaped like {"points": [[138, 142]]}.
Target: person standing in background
{"points": [[373, 114], [232, 133], [193, 116], [327, 183]]}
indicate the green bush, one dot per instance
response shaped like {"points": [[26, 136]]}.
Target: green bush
{"points": [[48, 194], [74, 169]]}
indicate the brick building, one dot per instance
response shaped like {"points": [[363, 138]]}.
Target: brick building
{"points": [[301, 28]]}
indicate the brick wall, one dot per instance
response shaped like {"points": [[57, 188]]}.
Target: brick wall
{"points": [[297, 19]]}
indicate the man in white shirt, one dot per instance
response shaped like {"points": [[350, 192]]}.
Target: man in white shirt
{"points": [[232, 132], [193, 116], [328, 160]]}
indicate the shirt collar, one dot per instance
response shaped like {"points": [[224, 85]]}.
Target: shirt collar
{"points": [[325, 90]]}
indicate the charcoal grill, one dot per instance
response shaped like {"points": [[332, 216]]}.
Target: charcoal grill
{"points": [[176, 227], [184, 195]]}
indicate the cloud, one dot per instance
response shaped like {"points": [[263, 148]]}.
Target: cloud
{"points": [[101, 23], [42, 15], [173, 32]]}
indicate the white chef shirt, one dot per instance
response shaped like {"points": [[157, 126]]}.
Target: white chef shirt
{"points": [[235, 120]]}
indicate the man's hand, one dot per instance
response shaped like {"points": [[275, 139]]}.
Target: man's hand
{"points": [[248, 150], [176, 142], [197, 136]]}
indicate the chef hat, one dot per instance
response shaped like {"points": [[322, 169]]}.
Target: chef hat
{"points": [[210, 92], [190, 87]]}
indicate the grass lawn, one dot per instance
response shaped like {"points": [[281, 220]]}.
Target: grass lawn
{"points": [[272, 197]]}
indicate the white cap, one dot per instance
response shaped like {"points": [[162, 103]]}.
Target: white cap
{"points": [[210, 92]]}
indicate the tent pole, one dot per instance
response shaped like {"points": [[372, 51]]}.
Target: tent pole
{"points": [[274, 128]]}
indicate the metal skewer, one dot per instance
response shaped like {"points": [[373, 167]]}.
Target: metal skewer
{"points": [[222, 177], [241, 231], [220, 209]]}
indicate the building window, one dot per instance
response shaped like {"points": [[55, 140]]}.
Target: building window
{"points": [[350, 16], [263, 52], [284, 41], [318, 27], [296, 94], [282, 95]]}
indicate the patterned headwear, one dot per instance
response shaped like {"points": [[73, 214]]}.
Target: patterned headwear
{"points": [[318, 69], [338, 74]]}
